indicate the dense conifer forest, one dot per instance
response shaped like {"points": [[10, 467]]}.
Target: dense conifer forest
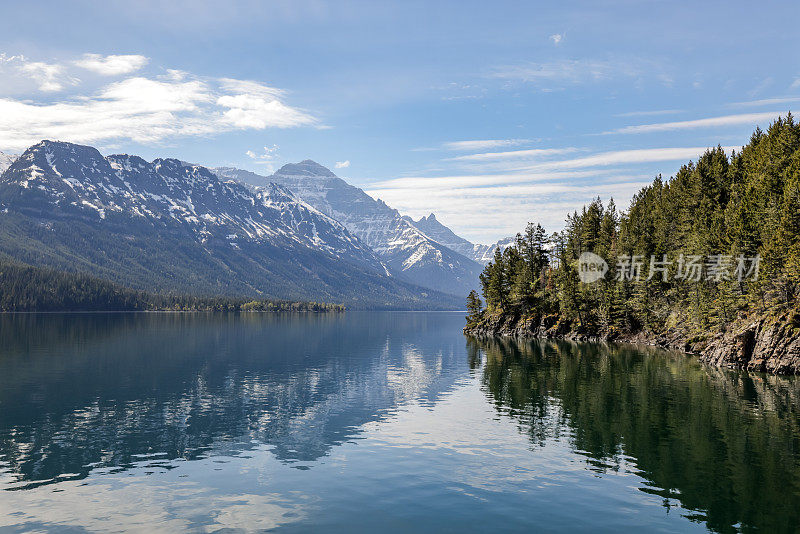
{"points": [[26, 288], [715, 243]]}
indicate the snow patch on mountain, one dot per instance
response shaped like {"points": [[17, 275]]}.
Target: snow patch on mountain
{"points": [[166, 192], [397, 241], [440, 233], [6, 160]]}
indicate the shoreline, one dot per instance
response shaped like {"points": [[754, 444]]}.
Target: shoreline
{"points": [[769, 345]]}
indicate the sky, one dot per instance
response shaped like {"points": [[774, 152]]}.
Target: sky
{"points": [[488, 114]]}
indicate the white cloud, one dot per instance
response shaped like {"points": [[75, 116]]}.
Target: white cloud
{"points": [[564, 170], [649, 113], [5, 58], [483, 144], [508, 208], [479, 180], [515, 154], [267, 157], [258, 106], [766, 102], [50, 77], [148, 110], [543, 191], [112, 65], [343, 164], [557, 38], [795, 84], [727, 120], [626, 157]]}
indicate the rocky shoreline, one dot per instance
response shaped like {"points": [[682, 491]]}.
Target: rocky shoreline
{"points": [[765, 344]]}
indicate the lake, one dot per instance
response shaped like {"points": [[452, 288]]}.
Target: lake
{"points": [[384, 421]]}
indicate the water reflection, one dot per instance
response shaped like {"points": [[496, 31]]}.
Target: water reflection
{"points": [[79, 393], [724, 444], [211, 421]]}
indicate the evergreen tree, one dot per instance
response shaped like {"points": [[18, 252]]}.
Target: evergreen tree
{"points": [[745, 205]]}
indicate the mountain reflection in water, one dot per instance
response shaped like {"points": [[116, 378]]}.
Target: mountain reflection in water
{"points": [[361, 421]]}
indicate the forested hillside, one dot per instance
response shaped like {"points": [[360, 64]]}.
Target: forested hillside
{"points": [[716, 245], [25, 288]]}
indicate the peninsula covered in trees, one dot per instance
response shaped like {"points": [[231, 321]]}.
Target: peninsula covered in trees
{"points": [[707, 261]]}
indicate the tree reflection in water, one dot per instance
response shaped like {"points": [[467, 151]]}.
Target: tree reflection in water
{"points": [[726, 444]]}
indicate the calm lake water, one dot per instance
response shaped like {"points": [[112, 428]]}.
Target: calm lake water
{"points": [[378, 421]]}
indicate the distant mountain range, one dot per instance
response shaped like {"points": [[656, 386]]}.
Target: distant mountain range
{"points": [[423, 252], [171, 227], [440, 233]]}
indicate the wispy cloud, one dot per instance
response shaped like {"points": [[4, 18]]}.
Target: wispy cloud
{"points": [[649, 113], [484, 144], [763, 84], [267, 156], [626, 157], [146, 110], [50, 77], [507, 207], [563, 169], [569, 71], [543, 191], [558, 74], [342, 164], [475, 144], [766, 102], [727, 120], [479, 180], [514, 154], [557, 38], [112, 65]]}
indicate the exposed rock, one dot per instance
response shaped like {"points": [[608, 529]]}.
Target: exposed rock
{"points": [[768, 345]]}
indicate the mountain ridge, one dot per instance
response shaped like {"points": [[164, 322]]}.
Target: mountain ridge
{"points": [[167, 226], [409, 252], [6, 160]]}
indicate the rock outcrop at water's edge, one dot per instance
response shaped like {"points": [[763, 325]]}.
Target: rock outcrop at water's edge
{"points": [[767, 344]]}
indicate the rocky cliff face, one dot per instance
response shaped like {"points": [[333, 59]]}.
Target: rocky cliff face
{"points": [[769, 345]]}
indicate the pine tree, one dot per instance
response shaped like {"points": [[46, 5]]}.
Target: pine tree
{"points": [[474, 307]]}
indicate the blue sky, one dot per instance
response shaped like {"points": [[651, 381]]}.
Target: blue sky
{"points": [[489, 114]]}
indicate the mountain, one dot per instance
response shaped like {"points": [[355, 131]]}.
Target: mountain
{"points": [[6, 160], [409, 253], [484, 253], [241, 175], [171, 227], [440, 233]]}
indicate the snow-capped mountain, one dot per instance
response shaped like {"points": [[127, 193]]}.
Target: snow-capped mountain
{"points": [[6, 160], [185, 228], [399, 243], [485, 253], [440, 233], [241, 175]]}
